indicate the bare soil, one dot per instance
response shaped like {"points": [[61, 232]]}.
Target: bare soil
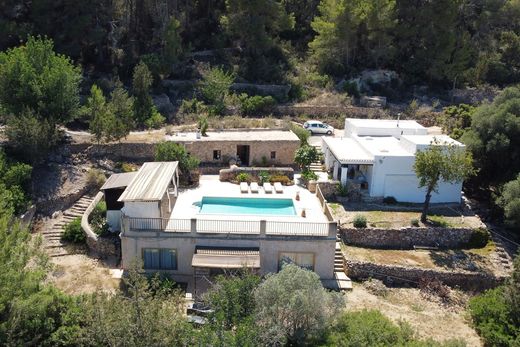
{"points": [[467, 260], [398, 216], [81, 274], [429, 318]]}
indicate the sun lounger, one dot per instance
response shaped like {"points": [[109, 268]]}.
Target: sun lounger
{"points": [[268, 188], [244, 188], [254, 187], [278, 187]]}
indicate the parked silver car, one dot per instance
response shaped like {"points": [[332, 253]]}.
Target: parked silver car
{"points": [[317, 127]]}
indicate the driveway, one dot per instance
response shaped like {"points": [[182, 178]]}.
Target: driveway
{"points": [[315, 140]]}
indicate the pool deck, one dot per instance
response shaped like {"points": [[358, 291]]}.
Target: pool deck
{"points": [[211, 186]]}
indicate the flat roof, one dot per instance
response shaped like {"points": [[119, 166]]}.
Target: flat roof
{"points": [[383, 145], [151, 182], [384, 123], [428, 139], [119, 180], [246, 135], [348, 151]]}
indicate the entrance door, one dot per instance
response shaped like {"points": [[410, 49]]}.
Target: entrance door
{"points": [[243, 154]]}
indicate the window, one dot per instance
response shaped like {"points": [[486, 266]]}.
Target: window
{"points": [[159, 259], [304, 260], [217, 154], [273, 155]]}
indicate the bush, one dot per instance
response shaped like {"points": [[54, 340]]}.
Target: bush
{"points": [[360, 221], [95, 178], [155, 121], [263, 176], [390, 200], [243, 177], [280, 178], [170, 151], [98, 219], [308, 175], [342, 190], [252, 105], [479, 238], [73, 232], [203, 125], [302, 134], [305, 155], [414, 222], [510, 202]]}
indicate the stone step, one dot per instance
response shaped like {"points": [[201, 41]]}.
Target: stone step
{"points": [[60, 254]]}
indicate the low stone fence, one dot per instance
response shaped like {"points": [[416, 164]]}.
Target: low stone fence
{"points": [[407, 238], [324, 205], [227, 175], [328, 189], [348, 111], [103, 246], [401, 275]]}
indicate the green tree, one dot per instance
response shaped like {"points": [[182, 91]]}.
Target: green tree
{"points": [[172, 50], [170, 151], [440, 162], [509, 200], [305, 156], [98, 112], [214, 87], [494, 137], [292, 306], [121, 121], [143, 104], [34, 77]]}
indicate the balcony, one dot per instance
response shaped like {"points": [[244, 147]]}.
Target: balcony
{"points": [[258, 228]]}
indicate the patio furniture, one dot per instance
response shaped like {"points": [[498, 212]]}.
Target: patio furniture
{"points": [[244, 188], [268, 188], [278, 187], [254, 187]]}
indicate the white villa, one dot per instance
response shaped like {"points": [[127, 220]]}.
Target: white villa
{"points": [[378, 156], [196, 233]]}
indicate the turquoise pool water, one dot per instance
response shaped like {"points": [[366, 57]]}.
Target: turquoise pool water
{"points": [[251, 206]]}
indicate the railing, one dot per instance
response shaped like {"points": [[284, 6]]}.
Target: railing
{"points": [[223, 226], [297, 228]]}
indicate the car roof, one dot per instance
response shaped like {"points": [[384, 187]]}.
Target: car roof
{"points": [[314, 121]]}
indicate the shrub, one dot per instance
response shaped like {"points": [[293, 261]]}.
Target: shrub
{"points": [[73, 232], [170, 151], [479, 238], [305, 155], [243, 177], [509, 200], [342, 190], [309, 175], [390, 200], [439, 221], [302, 134], [360, 221], [189, 106], [203, 125], [251, 105], [98, 220], [414, 222], [280, 178], [351, 88], [95, 178], [263, 176], [155, 121]]}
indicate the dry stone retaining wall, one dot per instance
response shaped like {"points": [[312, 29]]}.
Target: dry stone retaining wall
{"points": [[227, 175], [328, 189], [407, 238], [400, 275]]}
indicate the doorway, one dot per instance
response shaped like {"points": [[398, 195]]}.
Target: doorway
{"points": [[243, 154]]}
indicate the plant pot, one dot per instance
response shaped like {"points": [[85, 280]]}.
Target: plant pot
{"points": [[311, 186]]}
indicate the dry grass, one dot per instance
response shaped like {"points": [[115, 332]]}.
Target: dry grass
{"points": [[80, 274], [393, 217], [429, 318], [468, 260]]}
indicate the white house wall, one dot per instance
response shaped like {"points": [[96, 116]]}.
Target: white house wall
{"points": [[142, 209], [394, 176], [114, 219]]}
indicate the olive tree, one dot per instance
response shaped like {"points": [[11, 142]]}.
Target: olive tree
{"points": [[441, 162], [292, 306], [509, 200]]}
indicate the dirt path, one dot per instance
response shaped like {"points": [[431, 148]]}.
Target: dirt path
{"points": [[429, 318]]}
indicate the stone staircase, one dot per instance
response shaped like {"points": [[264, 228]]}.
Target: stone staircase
{"points": [[341, 278], [53, 230], [502, 251]]}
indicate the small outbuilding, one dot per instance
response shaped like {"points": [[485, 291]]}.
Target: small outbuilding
{"points": [[112, 189]]}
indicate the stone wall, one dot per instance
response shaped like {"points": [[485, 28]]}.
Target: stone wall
{"points": [[47, 207], [329, 189], [104, 246], [347, 111], [227, 175], [407, 238], [400, 275]]}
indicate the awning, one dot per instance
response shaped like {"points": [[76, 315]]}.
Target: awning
{"points": [[226, 259]]}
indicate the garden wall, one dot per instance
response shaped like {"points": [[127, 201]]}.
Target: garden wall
{"points": [[103, 246], [400, 275], [328, 189], [407, 238]]}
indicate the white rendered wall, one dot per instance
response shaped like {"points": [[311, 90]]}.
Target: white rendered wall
{"points": [[394, 176], [142, 209], [351, 129], [114, 219]]}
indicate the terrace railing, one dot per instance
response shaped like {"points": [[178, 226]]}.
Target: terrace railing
{"points": [[226, 226]]}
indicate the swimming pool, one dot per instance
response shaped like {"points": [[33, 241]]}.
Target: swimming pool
{"points": [[250, 206]]}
